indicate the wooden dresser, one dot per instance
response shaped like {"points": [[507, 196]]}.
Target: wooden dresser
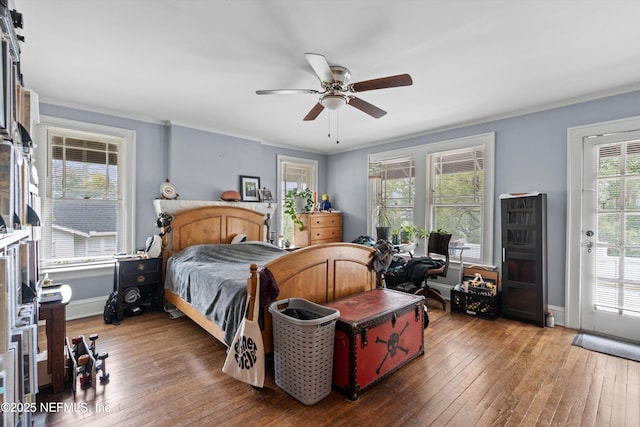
{"points": [[321, 227]]}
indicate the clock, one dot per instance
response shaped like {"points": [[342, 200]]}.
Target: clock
{"points": [[168, 190]]}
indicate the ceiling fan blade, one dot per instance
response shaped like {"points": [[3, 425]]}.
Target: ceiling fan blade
{"points": [[365, 107], [320, 66], [286, 91], [382, 83], [314, 112]]}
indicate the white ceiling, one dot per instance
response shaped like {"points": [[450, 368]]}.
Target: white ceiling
{"points": [[198, 63]]}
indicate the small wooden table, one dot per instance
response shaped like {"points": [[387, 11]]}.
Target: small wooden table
{"points": [[55, 316]]}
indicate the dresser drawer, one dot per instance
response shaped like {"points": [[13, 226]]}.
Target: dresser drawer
{"points": [[318, 228], [324, 220], [139, 284], [139, 272], [327, 234]]}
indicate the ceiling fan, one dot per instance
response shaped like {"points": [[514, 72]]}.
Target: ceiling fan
{"points": [[336, 89]]}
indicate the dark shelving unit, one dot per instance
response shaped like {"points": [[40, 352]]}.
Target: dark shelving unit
{"points": [[524, 257]]}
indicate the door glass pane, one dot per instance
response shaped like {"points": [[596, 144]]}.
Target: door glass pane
{"points": [[632, 163], [609, 228], [608, 263], [632, 265], [609, 160], [632, 230], [632, 198], [609, 191]]}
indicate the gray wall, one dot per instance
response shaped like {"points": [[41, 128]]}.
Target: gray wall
{"points": [[531, 154], [201, 164]]}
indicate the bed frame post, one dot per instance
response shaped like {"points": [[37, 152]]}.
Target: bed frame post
{"points": [[252, 285]]}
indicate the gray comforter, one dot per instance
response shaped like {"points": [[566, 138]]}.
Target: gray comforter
{"points": [[213, 279]]}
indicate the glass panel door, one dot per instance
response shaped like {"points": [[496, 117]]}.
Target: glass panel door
{"points": [[611, 236]]}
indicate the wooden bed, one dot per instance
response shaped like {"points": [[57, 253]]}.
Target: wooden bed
{"points": [[320, 273]]}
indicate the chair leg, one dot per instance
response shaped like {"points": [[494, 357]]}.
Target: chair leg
{"points": [[436, 295]]}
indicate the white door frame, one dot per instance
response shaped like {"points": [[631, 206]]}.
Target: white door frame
{"points": [[575, 153]]}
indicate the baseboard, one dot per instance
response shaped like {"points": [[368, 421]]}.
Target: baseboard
{"points": [[558, 312], [86, 307], [95, 306]]}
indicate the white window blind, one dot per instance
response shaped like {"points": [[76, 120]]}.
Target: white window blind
{"points": [[392, 183], [457, 196], [83, 212], [618, 229]]}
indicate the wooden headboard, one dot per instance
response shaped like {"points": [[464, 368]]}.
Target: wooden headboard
{"points": [[319, 273], [212, 224]]}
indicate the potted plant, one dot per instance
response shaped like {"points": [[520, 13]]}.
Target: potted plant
{"points": [[298, 201], [383, 226], [409, 232]]}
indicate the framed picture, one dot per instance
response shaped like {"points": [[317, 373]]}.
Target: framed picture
{"points": [[265, 195], [249, 186]]}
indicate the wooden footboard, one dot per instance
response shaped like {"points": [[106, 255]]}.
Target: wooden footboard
{"points": [[319, 273]]}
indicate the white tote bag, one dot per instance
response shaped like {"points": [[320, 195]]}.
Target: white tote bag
{"points": [[245, 356]]}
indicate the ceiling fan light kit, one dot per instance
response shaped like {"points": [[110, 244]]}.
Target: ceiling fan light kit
{"points": [[337, 91], [333, 102]]}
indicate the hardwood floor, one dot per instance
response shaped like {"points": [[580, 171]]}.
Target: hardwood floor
{"points": [[474, 372]]}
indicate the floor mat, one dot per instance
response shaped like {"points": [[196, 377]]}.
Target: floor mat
{"points": [[609, 346]]}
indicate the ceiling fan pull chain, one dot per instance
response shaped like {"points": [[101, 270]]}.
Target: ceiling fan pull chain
{"points": [[329, 129], [337, 127]]}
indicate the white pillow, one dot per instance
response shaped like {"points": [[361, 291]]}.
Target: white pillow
{"points": [[238, 238]]}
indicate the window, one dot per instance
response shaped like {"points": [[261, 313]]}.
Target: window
{"points": [[392, 182], [88, 198], [446, 185], [457, 196], [294, 173]]}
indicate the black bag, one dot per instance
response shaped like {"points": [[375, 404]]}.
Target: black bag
{"points": [[396, 275], [110, 309]]}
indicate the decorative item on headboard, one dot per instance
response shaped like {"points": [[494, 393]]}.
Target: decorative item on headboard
{"points": [[230, 196], [267, 223], [164, 222], [266, 195], [168, 190]]}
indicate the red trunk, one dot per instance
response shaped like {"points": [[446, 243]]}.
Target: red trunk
{"points": [[377, 333]]}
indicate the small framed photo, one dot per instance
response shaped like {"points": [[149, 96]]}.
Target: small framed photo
{"points": [[249, 186], [265, 195]]}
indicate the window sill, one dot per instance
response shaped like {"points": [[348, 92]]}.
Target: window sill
{"points": [[79, 271]]}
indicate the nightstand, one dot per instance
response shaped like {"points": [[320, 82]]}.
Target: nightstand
{"points": [[139, 283]]}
